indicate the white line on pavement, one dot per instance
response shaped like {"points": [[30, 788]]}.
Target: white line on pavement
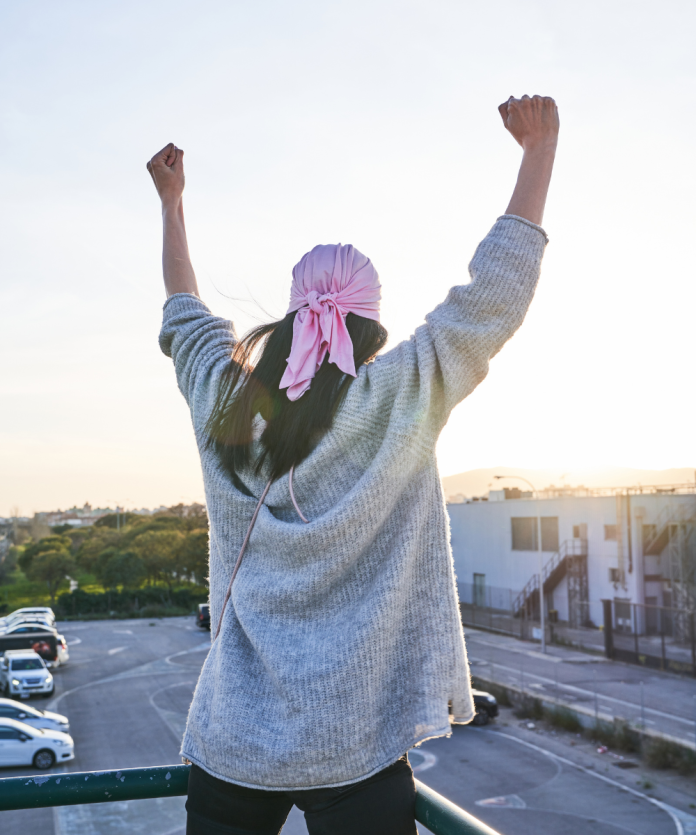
{"points": [[116, 649], [675, 814]]}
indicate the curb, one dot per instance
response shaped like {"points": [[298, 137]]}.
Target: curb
{"points": [[585, 716]]}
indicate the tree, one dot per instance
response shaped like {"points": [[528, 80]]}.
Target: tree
{"points": [[8, 563], [193, 556], [91, 548], [120, 568], [45, 545], [159, 550], [51, 567], [116, 520]]}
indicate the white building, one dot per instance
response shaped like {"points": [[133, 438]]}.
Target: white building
{"points": [[629, 545]]}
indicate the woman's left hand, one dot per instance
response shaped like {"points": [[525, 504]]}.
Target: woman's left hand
{"points": [[167, 171]]}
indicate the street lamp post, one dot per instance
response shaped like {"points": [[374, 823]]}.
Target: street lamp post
{"points": [[541, 563]]}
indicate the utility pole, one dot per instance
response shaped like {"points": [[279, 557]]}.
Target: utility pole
{"points": [[541, 561], [541, 593]]}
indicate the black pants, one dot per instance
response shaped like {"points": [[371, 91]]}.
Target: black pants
{"points": [[380, 805]]}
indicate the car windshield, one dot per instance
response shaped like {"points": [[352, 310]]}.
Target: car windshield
{"points": [[27, 664]]}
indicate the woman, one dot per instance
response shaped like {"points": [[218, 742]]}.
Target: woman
{"points": [[337, 644]]}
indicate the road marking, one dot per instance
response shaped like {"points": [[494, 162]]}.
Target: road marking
{"points": [[588, 693], [205, 645], [123, 631], [72, 642], [428, 760], [116, 649], [175, 721], [676, 815], [508, 801], [532, 653], [147, 669]]}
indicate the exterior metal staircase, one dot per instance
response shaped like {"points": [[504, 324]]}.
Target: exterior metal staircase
{"points": [[673, 539], [570, 560]]}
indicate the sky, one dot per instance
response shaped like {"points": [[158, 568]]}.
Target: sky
{"points": [[372, 123]]}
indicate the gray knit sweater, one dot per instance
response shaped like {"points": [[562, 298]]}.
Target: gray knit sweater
{"points": [[342, 645]]}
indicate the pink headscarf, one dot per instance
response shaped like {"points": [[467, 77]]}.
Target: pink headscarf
{"points": [[327, 284]]}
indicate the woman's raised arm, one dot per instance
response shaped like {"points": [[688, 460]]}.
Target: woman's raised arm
{"points": [[167, 171], [534, 124]]}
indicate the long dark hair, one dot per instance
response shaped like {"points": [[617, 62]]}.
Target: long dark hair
{"points": [[248, 389]]}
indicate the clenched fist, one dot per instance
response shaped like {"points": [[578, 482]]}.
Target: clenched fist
{"points": [[532, 121], [167, 171]]}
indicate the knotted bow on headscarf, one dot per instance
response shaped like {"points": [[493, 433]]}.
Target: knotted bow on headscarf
{"points": [[327, 284]]}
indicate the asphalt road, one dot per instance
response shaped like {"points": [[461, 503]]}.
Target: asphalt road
{"points": [[127, 690], [668, 700]]}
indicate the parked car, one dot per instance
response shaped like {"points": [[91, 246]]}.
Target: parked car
{"points": [[24, 673], [44, 642], [25, 620], [28, 627], [486, 707], [9, 709], [203, 616], [20, 744], [29, 612]]}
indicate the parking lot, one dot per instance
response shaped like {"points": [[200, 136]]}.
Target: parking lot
{"points": [[128, 685]]}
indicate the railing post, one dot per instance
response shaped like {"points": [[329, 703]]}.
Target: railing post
{"points": [[608, 629], [635, 629], [662, 641]]}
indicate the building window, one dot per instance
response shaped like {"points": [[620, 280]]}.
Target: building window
{"points": [[549, 533], [609, 532], [614, 576], [524, 533]]}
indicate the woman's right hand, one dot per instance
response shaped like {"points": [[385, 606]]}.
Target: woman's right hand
{"points": [[534, 124], [532, 121], [167, 171]]}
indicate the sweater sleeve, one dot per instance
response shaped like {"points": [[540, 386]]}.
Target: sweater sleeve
{"points": [[448, 356], [197, 341]]}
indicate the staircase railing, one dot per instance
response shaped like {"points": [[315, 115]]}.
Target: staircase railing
{"points": [[569, 548], [669, 515], [439, 815], [530, 588]]}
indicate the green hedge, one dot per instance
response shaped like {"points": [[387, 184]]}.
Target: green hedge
{"points": [[130, 602]]}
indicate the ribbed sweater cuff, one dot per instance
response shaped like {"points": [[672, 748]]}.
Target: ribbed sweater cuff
{"points": [[183, 303], [527, 223]]}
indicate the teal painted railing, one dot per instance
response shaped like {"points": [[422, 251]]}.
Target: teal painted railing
{"points": [[435, 812]]}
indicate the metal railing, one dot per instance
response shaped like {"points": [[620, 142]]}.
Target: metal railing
{"points": [[439, 815], [569, 548]]}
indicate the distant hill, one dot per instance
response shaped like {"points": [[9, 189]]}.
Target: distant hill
{"points": [[479, 482]]}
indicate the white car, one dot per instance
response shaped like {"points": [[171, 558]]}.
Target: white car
{"points": [[27, 627], [23, 673], [9, 709], [20, 744], [29, 612]]}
